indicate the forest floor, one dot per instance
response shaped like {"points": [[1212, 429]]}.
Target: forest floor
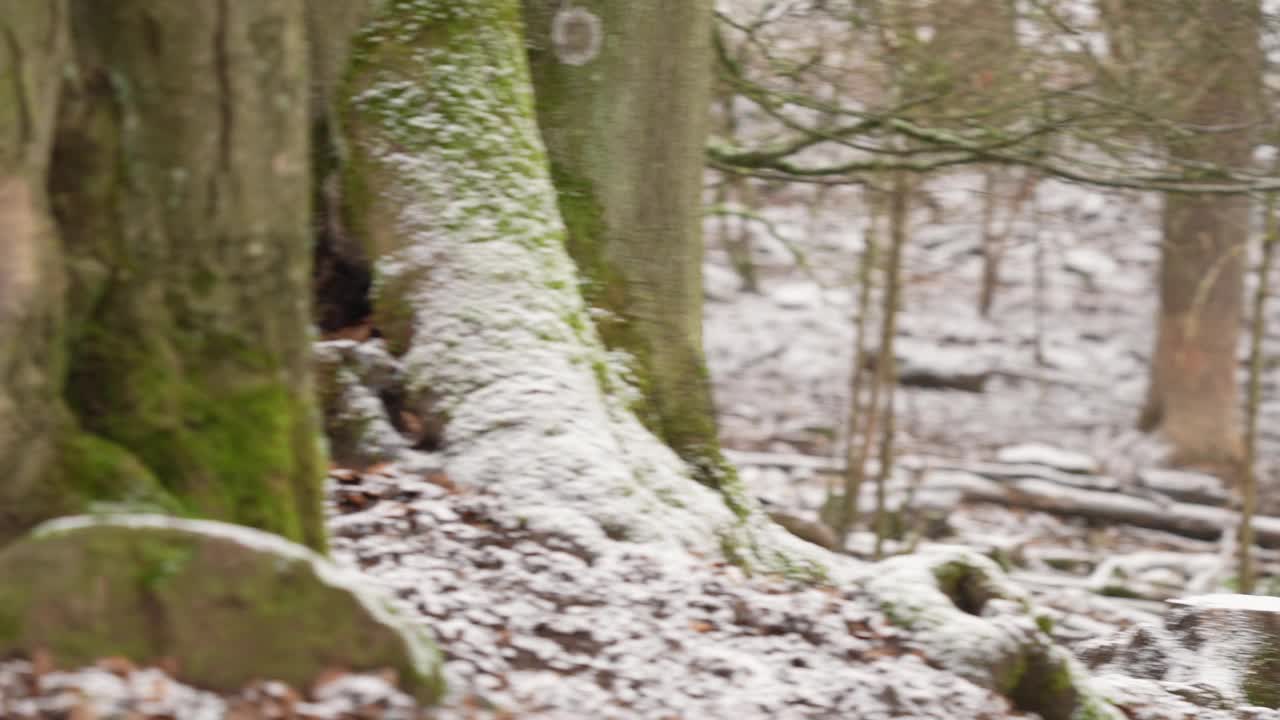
{"points": [[537, 624]]}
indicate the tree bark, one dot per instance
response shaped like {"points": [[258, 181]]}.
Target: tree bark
{"points": [[623, 91], [181, 184], [1253, 398], [1192, 398], [33, 50], [475, 289]]}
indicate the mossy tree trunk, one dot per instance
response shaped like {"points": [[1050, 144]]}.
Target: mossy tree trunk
{"points": [[623, 91], [448, 186], [33, 49], [179, 180]]}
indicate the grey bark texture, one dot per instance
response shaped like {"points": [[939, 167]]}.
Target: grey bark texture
{"points": [[175, 141], [622, 92], [33, 49]]}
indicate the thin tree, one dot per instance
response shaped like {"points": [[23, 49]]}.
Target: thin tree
{"points": [[886, 369], [1249, 467], [860, 411]]}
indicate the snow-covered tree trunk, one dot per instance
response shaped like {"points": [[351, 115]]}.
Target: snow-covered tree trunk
{"points": [[449, 186], [623, 92]]}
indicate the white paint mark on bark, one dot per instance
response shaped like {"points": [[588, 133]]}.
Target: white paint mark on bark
{"points": [[576, 35]]}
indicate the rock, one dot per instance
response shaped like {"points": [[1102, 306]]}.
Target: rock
{"points": [[1049, 456], [225, 604], [353, 381], [1240, 635]]}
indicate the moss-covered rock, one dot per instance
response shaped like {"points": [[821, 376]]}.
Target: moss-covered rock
{"points": [[229, 604]]}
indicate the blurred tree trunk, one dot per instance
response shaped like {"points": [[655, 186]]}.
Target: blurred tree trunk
{"points": [[179, 180], [1192, 398], [623, 93], [32, 283], [341, 274]]}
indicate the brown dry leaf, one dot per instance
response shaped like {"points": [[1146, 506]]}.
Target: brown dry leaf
{"points": [[701, 626], [383, 468], [390, 676], [82, 711], [880, 651], [159, 690], [413, 425], [326, 676], [440, 478], [352, 500], [41, 664], [346, 476], [241, 710], [169, 665], [117, 665]]}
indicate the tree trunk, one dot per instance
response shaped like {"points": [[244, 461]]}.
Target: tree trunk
{"points": [[623, 91], [475, 289], [1253, 398], [181, 185], [1192, 399], [32, 416]]}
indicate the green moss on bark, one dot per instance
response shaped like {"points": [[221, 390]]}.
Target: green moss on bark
{"points": [[186, 215], [631, 203], [95, 470], [226, 446]]}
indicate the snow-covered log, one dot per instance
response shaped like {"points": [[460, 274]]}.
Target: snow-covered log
{"points": [[1197, 521]]}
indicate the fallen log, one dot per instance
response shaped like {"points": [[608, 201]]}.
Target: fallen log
{"points": [[1197, 521], [1044, 489]]}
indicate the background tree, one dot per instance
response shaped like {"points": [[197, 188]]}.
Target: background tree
{"points": [[623, 92], [1209, 52]]}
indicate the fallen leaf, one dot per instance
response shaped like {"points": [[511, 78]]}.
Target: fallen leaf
{"points": [[326, 676], [116, 665], [346, 476], [41, 664], [441, 479], [385, 469]]}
